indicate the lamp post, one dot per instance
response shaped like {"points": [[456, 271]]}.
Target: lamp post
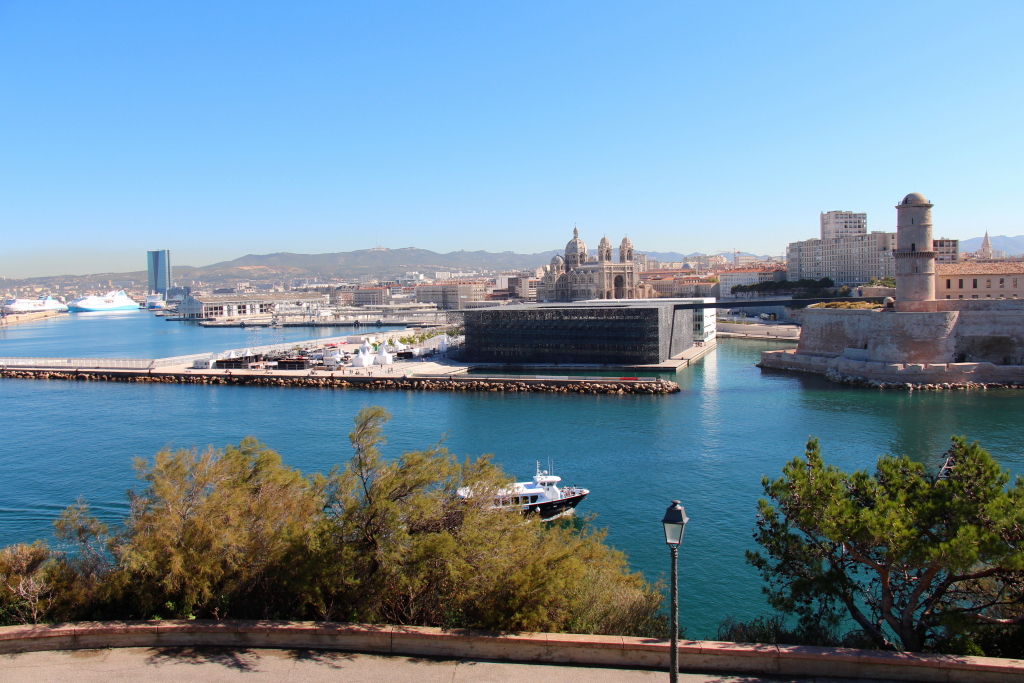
{"points": [[674, 522]]}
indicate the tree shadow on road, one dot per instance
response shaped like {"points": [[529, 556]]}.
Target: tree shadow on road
{"points": [[329, 658], [240, 659]]}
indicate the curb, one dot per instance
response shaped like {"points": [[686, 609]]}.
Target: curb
{"points": [[556, 648]]}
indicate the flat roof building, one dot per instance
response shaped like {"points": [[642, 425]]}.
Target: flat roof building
{"points": [[849, 260], [608, 332], [226, 306], [843, 224]]}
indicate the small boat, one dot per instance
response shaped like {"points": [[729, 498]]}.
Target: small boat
{"points": [[111, 301], [43, 303], [541, 496]]}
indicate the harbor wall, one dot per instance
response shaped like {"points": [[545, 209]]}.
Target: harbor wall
{"points": [[553, 648], [974, 331], [321, 380], [15, 318]]}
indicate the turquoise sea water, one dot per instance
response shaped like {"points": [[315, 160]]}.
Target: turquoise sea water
{"points": [[140, 334], [708, 446]]}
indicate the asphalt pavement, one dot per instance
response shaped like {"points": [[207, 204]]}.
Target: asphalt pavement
{"points": [[229, 665]]}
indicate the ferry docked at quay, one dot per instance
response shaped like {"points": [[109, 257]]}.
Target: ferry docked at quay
{"points": [[540, 496], [111, 301], [43, 303]]}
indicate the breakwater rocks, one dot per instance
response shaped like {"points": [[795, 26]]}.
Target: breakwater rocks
{"points": [[467, 384], [834, 375]]}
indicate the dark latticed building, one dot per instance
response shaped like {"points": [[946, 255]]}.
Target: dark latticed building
{"points": [[638, 332]]}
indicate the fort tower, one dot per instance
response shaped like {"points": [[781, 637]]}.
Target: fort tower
{"points": [[915, 258]]}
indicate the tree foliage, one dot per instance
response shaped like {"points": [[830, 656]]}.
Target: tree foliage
{"points": [[807, 286], [236, 533], [912, 558]]}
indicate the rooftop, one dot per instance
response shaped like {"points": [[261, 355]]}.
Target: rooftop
{"points": [[258, 296], [975, 268]]}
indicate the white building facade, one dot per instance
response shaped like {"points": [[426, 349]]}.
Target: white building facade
{"points": [[845, 260], [843, 224]]}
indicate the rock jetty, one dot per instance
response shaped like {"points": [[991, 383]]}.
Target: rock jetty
{"points": [[456, 383], [833, 375]]}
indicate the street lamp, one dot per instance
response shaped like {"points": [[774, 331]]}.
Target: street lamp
{"points": [[674, 522]]}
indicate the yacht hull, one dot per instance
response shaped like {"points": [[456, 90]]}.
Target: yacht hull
{"points": [[552, 508]]}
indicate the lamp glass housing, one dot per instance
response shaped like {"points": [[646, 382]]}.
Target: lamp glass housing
{"points": [[674, 523]]}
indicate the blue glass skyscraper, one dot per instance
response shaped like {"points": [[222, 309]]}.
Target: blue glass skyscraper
{"points": [[159, 271]]}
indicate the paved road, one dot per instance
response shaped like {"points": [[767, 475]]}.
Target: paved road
{"points": [[216, 665]]}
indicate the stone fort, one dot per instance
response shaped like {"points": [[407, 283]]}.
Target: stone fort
{"points": [[917, 338]]}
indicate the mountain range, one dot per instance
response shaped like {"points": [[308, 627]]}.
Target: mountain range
{"points": [[378, 261]]}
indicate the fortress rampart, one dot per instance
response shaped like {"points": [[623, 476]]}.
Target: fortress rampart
{"points": [[917, 339]]}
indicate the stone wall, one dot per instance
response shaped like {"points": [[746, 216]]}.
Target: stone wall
{"points": [[557, 648], [961, 332], [888, 337]]}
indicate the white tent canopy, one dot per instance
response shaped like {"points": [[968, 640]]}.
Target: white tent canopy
{"points": [[362, 360]]}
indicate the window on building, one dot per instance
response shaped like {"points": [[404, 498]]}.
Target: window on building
{"points": [[961, 285], [988, 283], [947, 285], [1002, 282], [1015, 283], [975, 285]]}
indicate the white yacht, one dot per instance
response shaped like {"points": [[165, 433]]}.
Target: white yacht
{"points": [[111, 301], [43, 303], [541, 496]]}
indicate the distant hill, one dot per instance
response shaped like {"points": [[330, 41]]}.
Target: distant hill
{"points": [[1013, 246], [384, 261], [347, 264], [367, 261]]}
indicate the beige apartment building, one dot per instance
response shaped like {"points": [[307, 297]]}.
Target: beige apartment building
{"points": [[451, 297], [972, 280], [946, 250], [848, 260], [843, 224]]}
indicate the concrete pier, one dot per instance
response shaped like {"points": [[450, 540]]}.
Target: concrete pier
{"points": [[15, 318]]}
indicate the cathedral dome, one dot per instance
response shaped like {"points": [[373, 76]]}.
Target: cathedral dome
{"points": [[626, 243], [557, 260], [914, 198], [605, 242], [575, 245]]}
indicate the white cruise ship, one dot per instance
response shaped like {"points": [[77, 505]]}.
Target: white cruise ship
{"points": [[111, 301], [43, 303]]}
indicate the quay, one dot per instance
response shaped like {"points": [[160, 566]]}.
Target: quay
{"points": [[15, 318]]}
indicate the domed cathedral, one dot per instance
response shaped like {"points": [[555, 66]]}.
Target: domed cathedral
{"points": [[578, 276]]}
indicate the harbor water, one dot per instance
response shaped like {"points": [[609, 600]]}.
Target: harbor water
{"points": [[708, 446]]}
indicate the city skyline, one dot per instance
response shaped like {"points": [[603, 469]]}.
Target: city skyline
{"points": [[221, 131]]}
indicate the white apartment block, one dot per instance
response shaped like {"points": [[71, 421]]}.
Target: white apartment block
{"points": [[843, 224], [845, 260]]}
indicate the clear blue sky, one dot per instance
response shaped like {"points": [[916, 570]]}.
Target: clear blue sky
{"points": [[218, 129]]}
